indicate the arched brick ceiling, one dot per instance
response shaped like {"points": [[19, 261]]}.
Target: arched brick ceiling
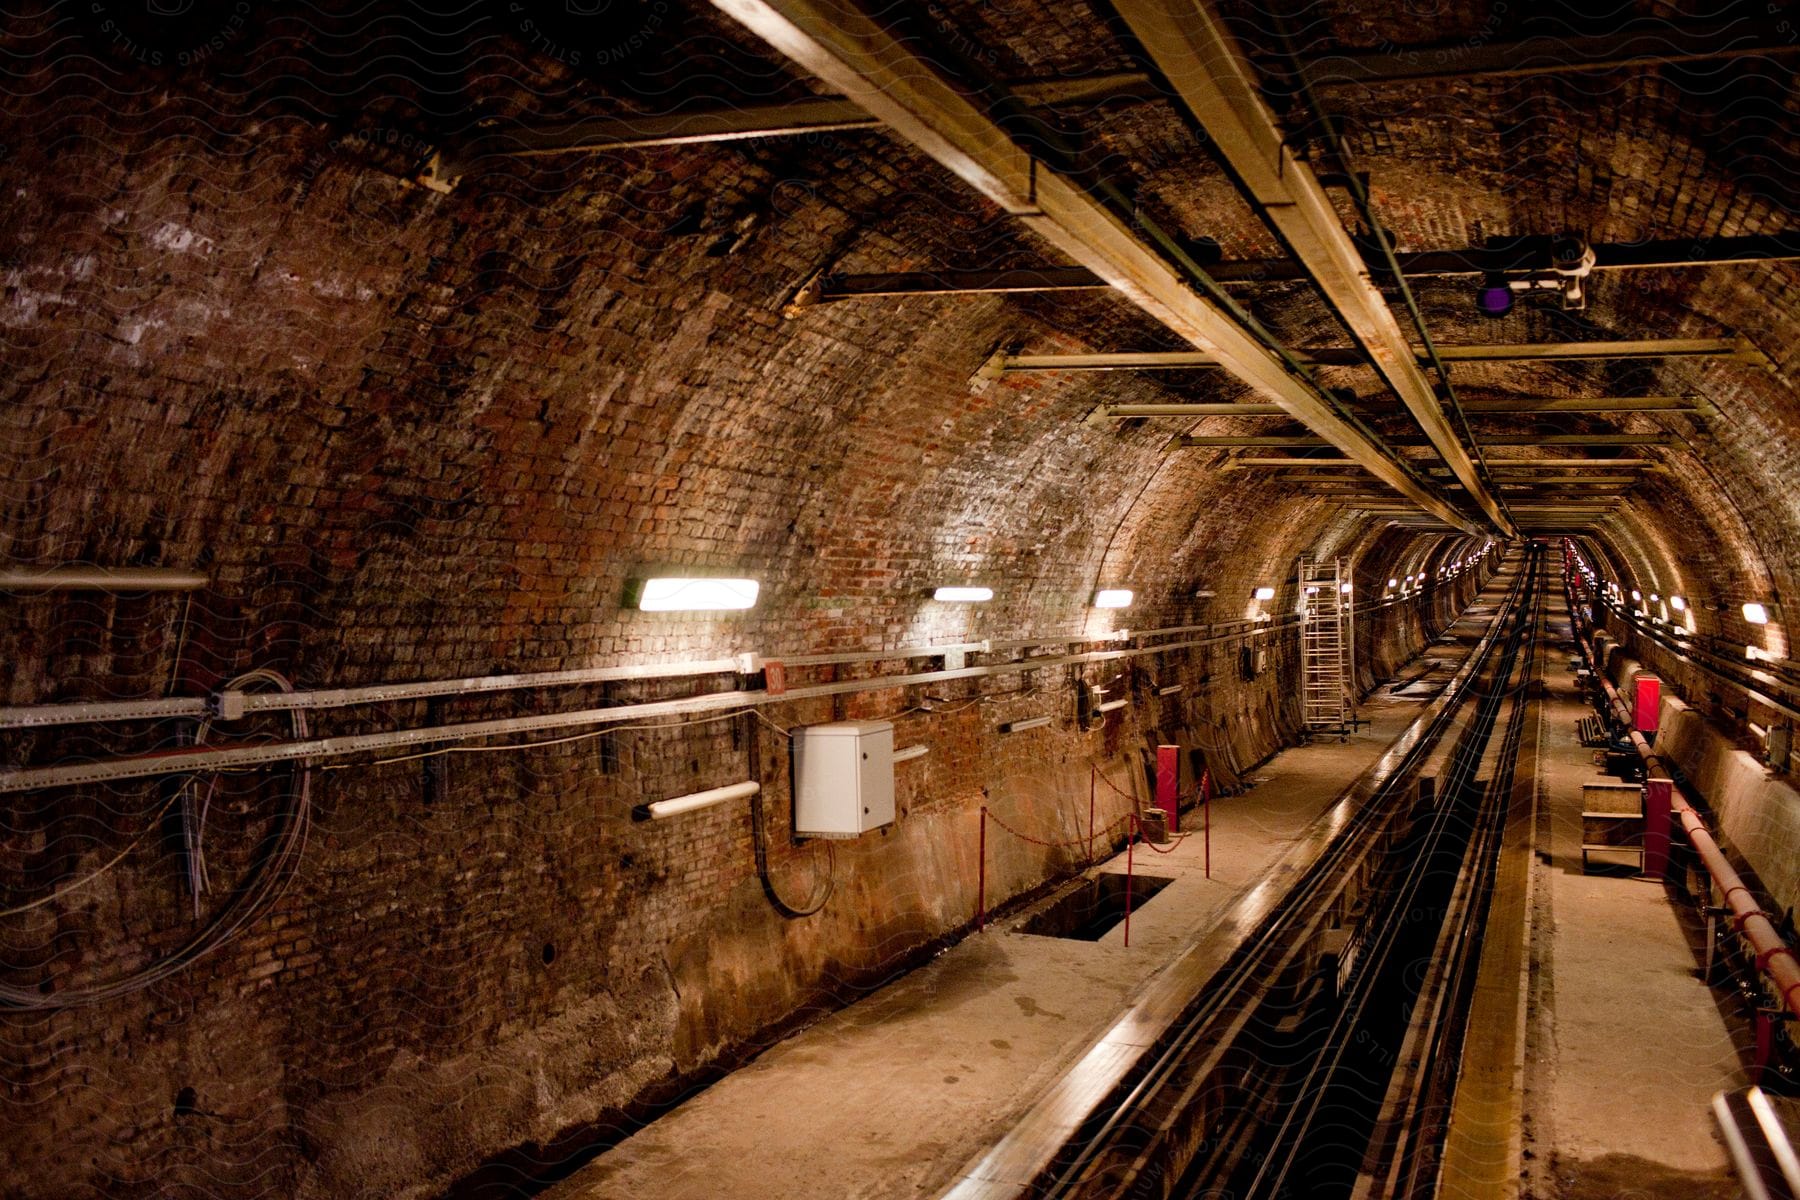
{"points": [[240, 339]]}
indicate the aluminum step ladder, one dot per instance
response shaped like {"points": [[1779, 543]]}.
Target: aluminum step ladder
{"points": [[1327, 646]]}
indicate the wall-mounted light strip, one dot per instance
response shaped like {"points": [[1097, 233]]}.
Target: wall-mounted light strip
{"points": [[963, 595], [676, 594], [1113, 598], [908, 753], [694, 801], [1756, 613], [1111, 706], [1263, 593], [1170, 690], [1023, 724]]}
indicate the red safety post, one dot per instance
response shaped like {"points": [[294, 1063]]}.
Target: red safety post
{"points": [[1659, 805], [1130, 841], [1168, 783], [1206, 816], [981, 877], [1649, 703]]}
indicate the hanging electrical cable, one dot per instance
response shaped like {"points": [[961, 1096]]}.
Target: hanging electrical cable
{"points": [[276, 862], [759, 839]]}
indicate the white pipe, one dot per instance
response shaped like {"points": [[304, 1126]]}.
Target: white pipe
{"points": [[25, 779], [1024, 723], [107, 579], [908, 753], [694, 801], [37, 716]]}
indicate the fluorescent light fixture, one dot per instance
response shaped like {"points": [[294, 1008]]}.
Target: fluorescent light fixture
{"points": [[963, 595], [1756, 614], [1636, 595], [1344, 588], [908, 753], [1393, 583], [1026, 723], [1312, 591], [1655, 599], [696, 595], [1112, 598], [1170, 690], [1677, 603], [1263, 593], [1111, 706], [663, 809]]}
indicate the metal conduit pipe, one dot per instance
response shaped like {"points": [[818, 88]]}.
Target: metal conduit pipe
{"points": [[1773, 956], [173, 762], [36, 716], [101, 579]]}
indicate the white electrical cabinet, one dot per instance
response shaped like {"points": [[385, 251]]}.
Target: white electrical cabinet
{"points": [[843, 778]]}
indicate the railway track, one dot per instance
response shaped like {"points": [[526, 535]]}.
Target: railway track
{"points": [[1320, 1059]]}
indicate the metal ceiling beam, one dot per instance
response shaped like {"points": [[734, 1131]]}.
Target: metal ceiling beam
{"points": [[1517, 256], [1598, 404], [1667, 42], [1498, 466], [786, 118], [1221, 92], [1650, 43], [1192, 441], [853, 52], [1736, 349]]}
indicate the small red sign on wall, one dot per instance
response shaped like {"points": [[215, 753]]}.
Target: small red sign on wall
{"points": [[774, 678]]}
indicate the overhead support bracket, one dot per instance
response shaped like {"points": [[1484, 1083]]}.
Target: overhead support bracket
{"points": [[1296, 441], [1529, 255], [1732, 349], [1599, 404]]}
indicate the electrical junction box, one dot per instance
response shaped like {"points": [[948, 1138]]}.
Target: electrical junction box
{"points": [[843, 778]]}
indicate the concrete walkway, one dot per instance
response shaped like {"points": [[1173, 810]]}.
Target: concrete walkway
{"points": [[1628, 1044], [892, 1096]]}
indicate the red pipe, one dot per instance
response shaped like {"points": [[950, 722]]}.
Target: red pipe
{"points": [[1772, 954]]}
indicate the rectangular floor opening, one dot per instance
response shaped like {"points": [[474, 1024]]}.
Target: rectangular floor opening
{"points": [[1088, 910]]}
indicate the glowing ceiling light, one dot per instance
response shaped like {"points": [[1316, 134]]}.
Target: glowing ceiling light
{"points": [[1113, 598], [963, 595], [1677, 603], [696, 595], [1756, 614], [1263, 593]]}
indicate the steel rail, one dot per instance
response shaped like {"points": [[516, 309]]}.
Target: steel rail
{"points": [[1243, 971], [1294, 1148]]}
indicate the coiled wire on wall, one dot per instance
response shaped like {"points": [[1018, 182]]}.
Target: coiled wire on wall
{"points": [[277, 861]]}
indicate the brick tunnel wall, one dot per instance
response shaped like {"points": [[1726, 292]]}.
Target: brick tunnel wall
{"points": [[417, 437], [412, 436]]}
